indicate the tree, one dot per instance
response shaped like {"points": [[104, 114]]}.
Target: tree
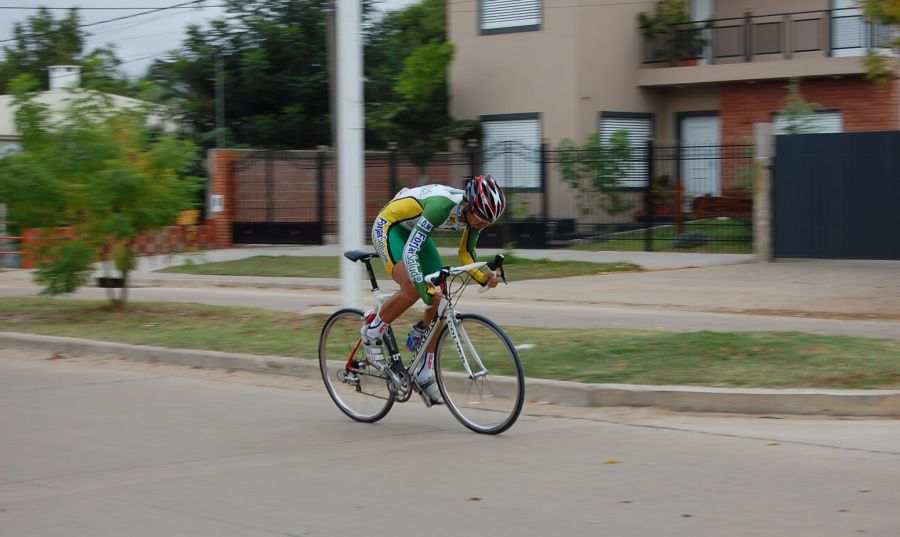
{"points": [[94, 177], [414, 111], [798, 113], [596, 170], [43, 41], [879, 67], [275, 65]]}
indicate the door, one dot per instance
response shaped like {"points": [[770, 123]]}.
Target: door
{"points": [[700, 155]]}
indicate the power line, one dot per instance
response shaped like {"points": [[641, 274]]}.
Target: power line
{"points": [[108, 8], [123, 17]]}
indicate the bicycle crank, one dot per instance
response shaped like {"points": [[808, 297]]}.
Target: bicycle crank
{"points": [[399, 380]]}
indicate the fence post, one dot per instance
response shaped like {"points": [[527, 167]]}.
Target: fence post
{"points": [[472, 150], [748, 36], [648, 199], [392, 168], [763, 156], [320, 179], [545, 202]]}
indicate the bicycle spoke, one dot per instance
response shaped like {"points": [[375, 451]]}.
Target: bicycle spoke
{"points": [[484, 387], [366, 398]]}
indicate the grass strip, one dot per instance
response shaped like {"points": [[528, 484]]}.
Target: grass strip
{"points": [[726, 359], [517, 268]]}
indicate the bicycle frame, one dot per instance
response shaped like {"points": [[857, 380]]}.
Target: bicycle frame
{"points": [[480, 399], [446, 310]]}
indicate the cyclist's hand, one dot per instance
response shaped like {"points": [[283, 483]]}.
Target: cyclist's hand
{"points": [[493, 280], [437, 296]]}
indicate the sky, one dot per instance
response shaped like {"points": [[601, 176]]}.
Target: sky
{"points": [[138, 40]]}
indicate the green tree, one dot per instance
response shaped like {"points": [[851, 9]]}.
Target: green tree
{"points": [[410, 105], [595, 171], [276, 77], [798, 113], [95, 177], [880, 68], [43, 41]]}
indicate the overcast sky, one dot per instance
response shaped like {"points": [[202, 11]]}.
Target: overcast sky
{"points": [[138, 40]]}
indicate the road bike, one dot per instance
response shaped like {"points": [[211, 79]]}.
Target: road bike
{"points": [[476, 365]]}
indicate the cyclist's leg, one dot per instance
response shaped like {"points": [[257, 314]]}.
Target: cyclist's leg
{"points": [[431, 261], [392, 254]]}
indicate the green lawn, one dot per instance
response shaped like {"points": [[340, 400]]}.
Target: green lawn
{"points": [[733, 235], [759, 359], [517, 268]]}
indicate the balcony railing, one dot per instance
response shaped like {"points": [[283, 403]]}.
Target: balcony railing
{"points": [[832, 32]]}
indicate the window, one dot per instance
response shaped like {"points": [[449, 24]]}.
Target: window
{"points": [[639, 128], [826, 121], [512, 149], [500, 16]]}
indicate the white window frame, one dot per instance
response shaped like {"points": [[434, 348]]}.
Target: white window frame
{"points": [[503, 16], [524, 131], [819, 122], [640, 126]]}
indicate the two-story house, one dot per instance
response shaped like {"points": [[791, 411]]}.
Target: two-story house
{"points": [[542, 70]]}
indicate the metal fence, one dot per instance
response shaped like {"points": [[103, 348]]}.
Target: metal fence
{"points": [[652, 197], [751, 37]]}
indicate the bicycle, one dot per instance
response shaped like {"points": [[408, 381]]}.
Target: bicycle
{"points": [[476, 365]]}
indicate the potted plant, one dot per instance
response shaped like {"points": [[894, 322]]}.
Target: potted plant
{"points": [[682, 40]]}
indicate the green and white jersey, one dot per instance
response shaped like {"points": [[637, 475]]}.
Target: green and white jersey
{"points": [[421, 210]]}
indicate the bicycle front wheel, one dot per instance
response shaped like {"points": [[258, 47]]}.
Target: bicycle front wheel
{"points": [[483, 385], [359, 391]]}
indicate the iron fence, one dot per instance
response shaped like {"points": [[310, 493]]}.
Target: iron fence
{"points": [[651, 197], [750, 37]]}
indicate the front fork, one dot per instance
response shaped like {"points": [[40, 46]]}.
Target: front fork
{"points": [[459, 337]]}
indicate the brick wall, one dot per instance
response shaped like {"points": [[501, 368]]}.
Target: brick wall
{"points": [[864, 106], [296, 189], [223, 185]]}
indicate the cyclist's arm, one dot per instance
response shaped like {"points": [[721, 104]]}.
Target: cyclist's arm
{"points": [[467, 254]]}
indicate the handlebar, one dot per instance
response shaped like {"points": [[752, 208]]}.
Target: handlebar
{"points": [[438, 278]]}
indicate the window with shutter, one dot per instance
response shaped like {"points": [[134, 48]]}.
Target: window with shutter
{"points": [[512, 150], [499, 16], [639, 128], [826, 121]]}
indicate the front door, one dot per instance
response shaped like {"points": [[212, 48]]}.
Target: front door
{"points": [[700, 155]]}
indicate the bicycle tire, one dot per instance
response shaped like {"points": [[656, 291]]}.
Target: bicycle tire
{"points": [[491, 403], [368, 399]]}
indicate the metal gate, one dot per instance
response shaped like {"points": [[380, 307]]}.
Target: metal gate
{"points": [[836, 196], [279, 198]]}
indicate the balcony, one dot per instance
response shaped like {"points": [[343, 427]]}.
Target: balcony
{"points": [[758, 47]]}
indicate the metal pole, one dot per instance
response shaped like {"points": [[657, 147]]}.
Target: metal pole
{"points": [[648, 199], [349, 103], [220, 103]]}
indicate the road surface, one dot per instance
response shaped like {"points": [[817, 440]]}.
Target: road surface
{"points": [[110, 448]]}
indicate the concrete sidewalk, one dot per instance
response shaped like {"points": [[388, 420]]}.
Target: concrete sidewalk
{"points": [[722, 283]]}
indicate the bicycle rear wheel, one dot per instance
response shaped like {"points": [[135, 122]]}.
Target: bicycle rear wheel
{"points": [[359, 391], [488, 397]]}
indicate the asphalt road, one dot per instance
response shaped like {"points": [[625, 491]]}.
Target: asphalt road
{"points": [[110, 448]]}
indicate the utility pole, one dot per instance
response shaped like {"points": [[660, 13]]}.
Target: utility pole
{"points": [[349, 112]]}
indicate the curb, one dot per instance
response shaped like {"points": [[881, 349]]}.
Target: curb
{"points": [[870, 403]]}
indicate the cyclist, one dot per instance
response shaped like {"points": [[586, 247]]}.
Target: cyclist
{"points": [[401, 235]]}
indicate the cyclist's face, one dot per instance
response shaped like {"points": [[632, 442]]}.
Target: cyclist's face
{"points": [[476, 221]]}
